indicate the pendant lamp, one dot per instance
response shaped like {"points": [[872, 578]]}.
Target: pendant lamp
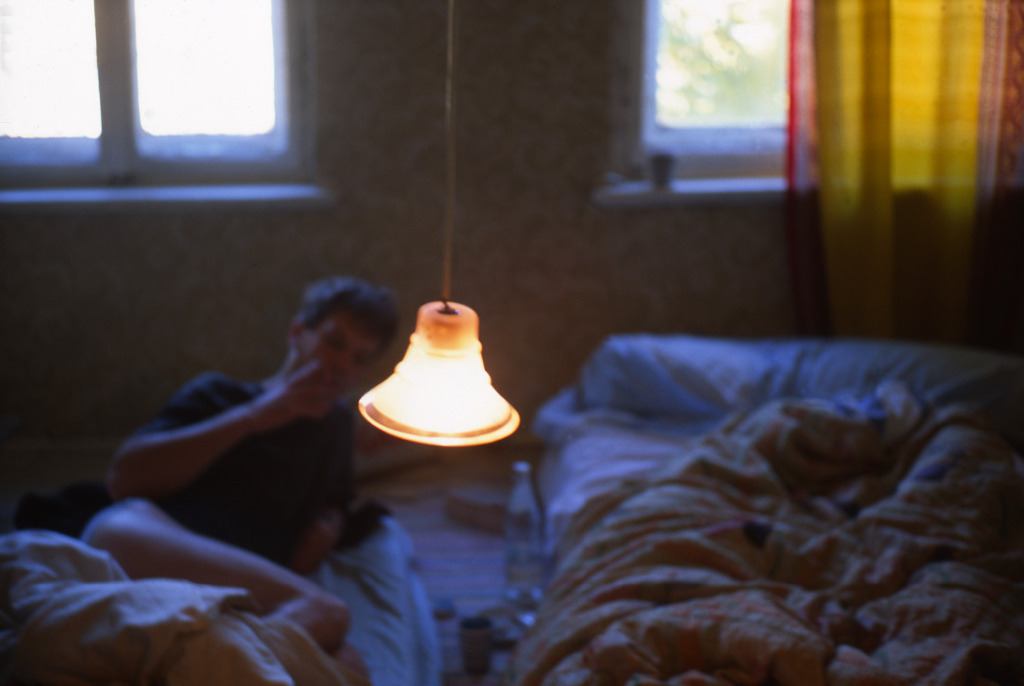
{"points": [[440, 393]]}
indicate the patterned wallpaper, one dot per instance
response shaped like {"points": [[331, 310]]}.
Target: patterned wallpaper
{"points": [[105, 313]]}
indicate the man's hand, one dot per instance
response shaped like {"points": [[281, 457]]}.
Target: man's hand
{"points": [[310, 391], [318, 540]]}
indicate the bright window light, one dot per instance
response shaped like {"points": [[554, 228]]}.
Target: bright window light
{"points": [[205, 68], [49, 86], [152, 92], [722, 63]]}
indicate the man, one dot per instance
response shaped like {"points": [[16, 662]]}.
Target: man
{"points": [[249, 484]]}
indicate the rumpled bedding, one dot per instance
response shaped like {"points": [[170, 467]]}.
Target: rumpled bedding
{"points": [[70, 617], [846, 541]]}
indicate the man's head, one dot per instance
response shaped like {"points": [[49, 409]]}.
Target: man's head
{"points": [[371, 307], [342, 325]]}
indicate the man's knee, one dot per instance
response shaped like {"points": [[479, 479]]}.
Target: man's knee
{"points": [[120, 523]]}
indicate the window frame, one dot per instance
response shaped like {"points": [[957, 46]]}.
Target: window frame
{"points": [[120, 164], [708, 160]]}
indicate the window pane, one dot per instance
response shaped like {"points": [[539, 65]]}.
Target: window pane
{"points": [[48, 79], [205, 67], [722, 63]]}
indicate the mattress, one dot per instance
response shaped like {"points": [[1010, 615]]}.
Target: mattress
{"points": [[784, 511]]}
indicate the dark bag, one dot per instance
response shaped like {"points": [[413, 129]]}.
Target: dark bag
{"points": [[66, 512]]}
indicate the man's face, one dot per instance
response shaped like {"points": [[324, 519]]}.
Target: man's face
{"points": [[343, 350]]}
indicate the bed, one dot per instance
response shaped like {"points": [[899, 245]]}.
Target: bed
{"points": [[69, 616], [782, 512]]}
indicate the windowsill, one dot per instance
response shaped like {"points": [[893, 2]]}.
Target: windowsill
{"points": [[235, 197], [688, 192]]}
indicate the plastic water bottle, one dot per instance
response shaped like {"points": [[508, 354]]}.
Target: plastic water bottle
{"points": [[524, 541]]}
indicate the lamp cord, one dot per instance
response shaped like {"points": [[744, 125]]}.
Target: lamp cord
{"points": [[449, 118]]}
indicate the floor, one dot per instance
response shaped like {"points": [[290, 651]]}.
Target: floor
{"points": [[452, 508]]}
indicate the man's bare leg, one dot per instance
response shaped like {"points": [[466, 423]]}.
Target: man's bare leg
{"points": [[147, 543]]}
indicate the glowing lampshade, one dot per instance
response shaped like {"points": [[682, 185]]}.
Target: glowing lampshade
{"points": [[440, 393]]}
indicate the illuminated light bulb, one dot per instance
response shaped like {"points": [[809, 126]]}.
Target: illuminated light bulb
{"points": [[440, 393]]}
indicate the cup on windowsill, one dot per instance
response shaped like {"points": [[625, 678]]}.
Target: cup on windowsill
{"points": [[663, 169]]}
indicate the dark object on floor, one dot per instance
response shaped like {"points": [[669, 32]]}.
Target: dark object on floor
{"points": [[362, 522], [66, 512]]}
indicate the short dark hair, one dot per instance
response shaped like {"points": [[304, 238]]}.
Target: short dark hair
{"points": [[372, 307]]}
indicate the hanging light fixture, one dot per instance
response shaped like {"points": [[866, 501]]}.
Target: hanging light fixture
{"points": [[440, 393]]}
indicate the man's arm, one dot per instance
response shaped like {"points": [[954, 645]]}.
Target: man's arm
{"points": [[160, 463]]}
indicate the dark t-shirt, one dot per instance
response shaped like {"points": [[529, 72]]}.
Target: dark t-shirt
{"points": [[263, 493]]}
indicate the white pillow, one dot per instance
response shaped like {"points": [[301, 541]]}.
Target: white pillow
{"points": [[681, 376], [681, 379]]}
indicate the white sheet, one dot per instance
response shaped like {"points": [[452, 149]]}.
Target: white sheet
{"points": [[582, 464], [392, 620]]}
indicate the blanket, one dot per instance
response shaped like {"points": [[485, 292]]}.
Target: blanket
{"points": [[809, 542], [69, 616]]}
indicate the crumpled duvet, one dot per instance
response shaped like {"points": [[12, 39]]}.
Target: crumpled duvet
{"points": [[812, 542], [69, 616]]}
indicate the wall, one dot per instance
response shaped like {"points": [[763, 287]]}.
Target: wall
{"points": [[103, 314]]}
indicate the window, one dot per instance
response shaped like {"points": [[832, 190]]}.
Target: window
{"points": [[706, 82], [151, 92]]}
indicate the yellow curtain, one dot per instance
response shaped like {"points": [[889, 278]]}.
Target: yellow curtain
{"points": [[898, 87]]}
